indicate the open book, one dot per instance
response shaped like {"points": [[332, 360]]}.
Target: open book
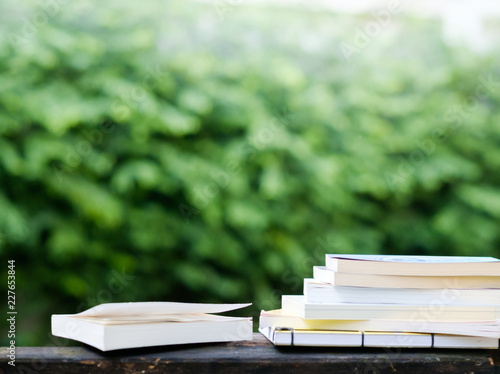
{"points": [[132, 325]]}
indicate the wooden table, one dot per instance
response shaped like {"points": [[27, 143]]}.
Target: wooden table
{"points": [[257, 356]]}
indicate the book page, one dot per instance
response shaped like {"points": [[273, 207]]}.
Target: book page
{"points": [[415, 259], [156, 307], [154, 318]]}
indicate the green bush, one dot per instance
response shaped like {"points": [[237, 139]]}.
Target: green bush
{"points": [[214, 153]]}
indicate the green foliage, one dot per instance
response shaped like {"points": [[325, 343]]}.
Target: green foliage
{"points": [[162, 152]]}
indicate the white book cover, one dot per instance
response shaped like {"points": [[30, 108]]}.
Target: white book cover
{"points": [[414, 265], [316, 291], [297, 305], [487, 329], [416, 259], [337, 278]]}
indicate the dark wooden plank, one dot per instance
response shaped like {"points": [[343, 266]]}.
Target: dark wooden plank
{"points": [[257, 356]]}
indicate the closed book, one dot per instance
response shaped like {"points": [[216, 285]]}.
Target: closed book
{"points": [[414, 265], [277, 318], [283, 336], [298, 305], [327, 275], [316, 292]]}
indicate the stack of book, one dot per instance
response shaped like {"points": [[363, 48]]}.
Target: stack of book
{"points": [[393, 301]]}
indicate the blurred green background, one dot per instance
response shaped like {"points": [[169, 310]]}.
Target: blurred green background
{"points": [[214, 152]]}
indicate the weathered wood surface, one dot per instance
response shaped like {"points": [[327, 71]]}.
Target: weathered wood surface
{"points": [[258, 356]]}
